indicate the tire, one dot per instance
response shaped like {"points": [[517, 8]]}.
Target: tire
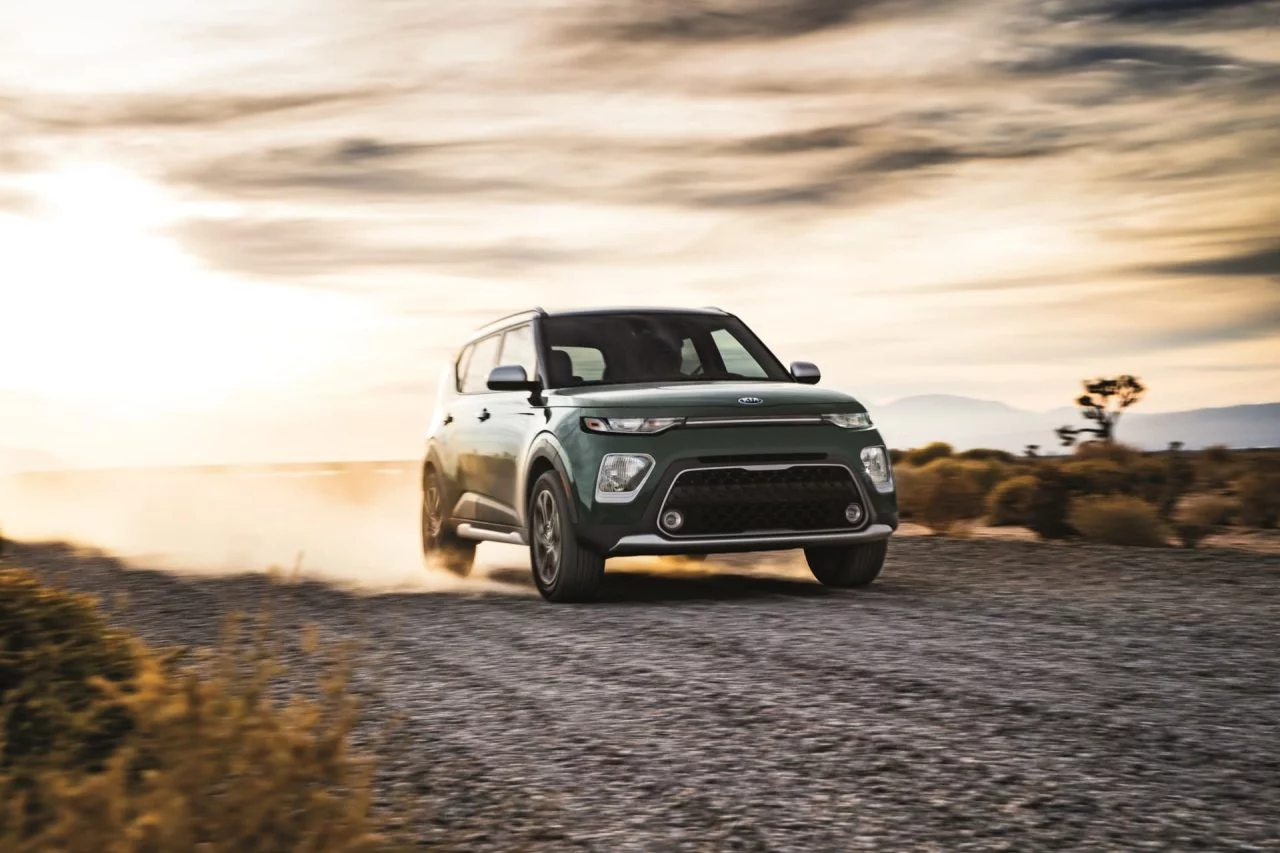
{"points": [[847, 566], [562, 569], [440, 545]]}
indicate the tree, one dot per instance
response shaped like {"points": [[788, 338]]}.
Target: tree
{"points": [[1103, 402], [1032, 451]]}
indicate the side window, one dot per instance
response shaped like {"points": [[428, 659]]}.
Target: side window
{"points": [[689, 359], [735, 357], [588, 362], [484, 358], [517, 348], [460, 367]]}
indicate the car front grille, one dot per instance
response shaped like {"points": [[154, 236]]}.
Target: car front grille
{"points": [[745, 500]]}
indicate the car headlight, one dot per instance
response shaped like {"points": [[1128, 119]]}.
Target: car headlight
{"points": [[876, 462], [621, 476], [633, 426], [850, 420]]}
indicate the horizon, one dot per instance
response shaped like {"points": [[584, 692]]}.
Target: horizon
{"points": [[258, 230]]}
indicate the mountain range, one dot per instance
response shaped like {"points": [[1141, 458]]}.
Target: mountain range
{"points": [[965, 422]]}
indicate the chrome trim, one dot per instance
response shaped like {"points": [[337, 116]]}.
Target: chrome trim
{"points": [[623, 497], [652, 540], [763, 420], [785, 466], [468, 530]]}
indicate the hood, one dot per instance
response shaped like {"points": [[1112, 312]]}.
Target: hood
{"points": [[661, 398]]}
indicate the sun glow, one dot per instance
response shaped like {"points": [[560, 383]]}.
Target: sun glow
{"points": [[102, 305]]}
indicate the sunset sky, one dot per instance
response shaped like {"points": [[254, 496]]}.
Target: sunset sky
{"points": [[252, 230]]}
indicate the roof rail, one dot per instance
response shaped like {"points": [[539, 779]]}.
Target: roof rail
{"points": [[538, 311], [714, 308]]}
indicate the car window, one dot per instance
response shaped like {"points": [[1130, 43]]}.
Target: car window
{"points": [[735, 356], [460, 367], [517, 348], [689, 358], [484, 358], [629, 347], [588, 362]]}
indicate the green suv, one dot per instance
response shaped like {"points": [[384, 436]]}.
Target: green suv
{"points": [[591, 434]]}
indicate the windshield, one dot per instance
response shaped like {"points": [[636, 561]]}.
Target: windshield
{"points": [[617, 348]]}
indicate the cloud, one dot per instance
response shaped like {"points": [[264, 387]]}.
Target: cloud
{"points": [[177, 111], [829, 138], [1143, 68], [1260, 324], [351, 167], [1165, 11], [1264, 261], [718, 21], [275, 248]]}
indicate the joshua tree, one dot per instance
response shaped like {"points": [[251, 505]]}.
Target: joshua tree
{"points": [[1103, 402], [1032, 451]]}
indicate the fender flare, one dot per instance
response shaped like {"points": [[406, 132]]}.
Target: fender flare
{"points": [[546, 447]]}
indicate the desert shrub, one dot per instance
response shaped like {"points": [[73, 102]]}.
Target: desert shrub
{"points": [[56, 652], [1118, 520], [1050, 503], [909, 483], [922, 456], [204, 760], [948, 495], [1097, 476], [1214, 467], [1010, 502], [896, 456], [1210, 511], [1259, 496], [1113, 451], [987, 454]]}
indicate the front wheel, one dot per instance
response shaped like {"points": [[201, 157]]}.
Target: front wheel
{"points": [[562, 569], [847, 566], [439, 543]]}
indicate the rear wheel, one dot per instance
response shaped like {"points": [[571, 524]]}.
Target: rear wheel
{"points": [[562, 569], [440, 544], [847, 566]]}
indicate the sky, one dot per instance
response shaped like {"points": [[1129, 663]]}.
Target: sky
{"points": [[250, 231]]}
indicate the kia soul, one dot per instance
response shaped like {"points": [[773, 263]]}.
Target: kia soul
{"points": [[585, 435]]}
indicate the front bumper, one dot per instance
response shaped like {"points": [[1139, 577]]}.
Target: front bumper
{"points": [[633, 530]]}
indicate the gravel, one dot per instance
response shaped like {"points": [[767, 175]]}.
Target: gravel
{"points": [[983, 695]]}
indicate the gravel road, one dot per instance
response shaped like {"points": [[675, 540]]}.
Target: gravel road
{"points": [[984, 695]]}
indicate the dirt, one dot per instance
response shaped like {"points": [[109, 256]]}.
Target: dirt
{"points": [[985, 694]]}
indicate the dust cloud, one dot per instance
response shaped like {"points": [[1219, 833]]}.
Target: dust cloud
{"points": [[354, 526]]}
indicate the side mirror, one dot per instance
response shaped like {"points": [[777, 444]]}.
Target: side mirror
{"points": [[806, 372], [511, 377]]}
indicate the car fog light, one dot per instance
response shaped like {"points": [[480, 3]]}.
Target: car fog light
{"points": [[853, 513], [672, 520], [621, 476]]}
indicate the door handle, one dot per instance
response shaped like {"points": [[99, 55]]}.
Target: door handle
{"points": [[484, 415], [448, 419]]}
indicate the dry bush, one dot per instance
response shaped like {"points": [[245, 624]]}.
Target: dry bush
{"points": [[1098, 476], [1118, 520], [1113, 451], [948, 495], [1009, 504], [184, 762], [909, 482], [922, 456], [1209, 511], [987, 454], [1259, 496]]}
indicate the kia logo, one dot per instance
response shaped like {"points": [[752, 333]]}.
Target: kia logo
{"points": [[750, 401]]}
